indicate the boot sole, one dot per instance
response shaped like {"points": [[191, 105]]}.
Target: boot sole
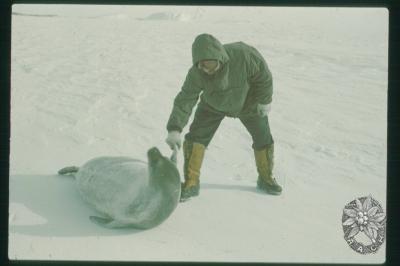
{"points": [[275, 193], [186, 199], [183, 199]]}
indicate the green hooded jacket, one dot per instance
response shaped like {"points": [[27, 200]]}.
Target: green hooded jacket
{"points": [[242, 82]]}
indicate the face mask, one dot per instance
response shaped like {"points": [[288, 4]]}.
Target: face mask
{"points": [[209, 66]]}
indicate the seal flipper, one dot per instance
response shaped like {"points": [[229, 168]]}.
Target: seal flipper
{"points": [[70, 170], [106, 222]]}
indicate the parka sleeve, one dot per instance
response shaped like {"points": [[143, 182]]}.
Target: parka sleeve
{"points": [[183, 104], [260, 78]]}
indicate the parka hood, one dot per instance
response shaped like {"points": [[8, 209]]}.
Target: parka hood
{"points": [[206, 46]]}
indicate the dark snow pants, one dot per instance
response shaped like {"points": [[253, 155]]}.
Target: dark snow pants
{"points": [[207, 120]]}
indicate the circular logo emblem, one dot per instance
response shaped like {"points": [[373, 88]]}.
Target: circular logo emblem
{"points": [[364, 225]]}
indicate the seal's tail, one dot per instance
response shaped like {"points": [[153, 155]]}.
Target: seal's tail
{"points": [[68, 170]]}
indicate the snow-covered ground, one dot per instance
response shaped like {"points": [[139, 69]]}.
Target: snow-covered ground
{"points": [[100, 80]]}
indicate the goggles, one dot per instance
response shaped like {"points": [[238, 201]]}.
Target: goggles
{"points": [[209, 66]]}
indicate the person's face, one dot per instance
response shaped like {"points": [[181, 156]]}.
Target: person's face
{"points": [[209, 66]]}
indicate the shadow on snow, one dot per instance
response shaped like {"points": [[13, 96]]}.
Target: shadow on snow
{"points": [[56, 199]]}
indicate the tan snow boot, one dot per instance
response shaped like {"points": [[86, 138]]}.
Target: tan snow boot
{"points": [[193, 154], [265, 163]]}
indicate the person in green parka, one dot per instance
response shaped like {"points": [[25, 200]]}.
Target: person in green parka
{"points": [[231, 80]]}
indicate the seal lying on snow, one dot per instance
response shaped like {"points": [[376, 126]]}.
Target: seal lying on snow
{"points": [[129, 192]]}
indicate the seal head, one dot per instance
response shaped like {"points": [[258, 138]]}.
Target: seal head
{"points": [[163, 173]]}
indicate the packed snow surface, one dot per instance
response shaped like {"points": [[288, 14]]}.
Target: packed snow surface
{"points": [[91, 81]]}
